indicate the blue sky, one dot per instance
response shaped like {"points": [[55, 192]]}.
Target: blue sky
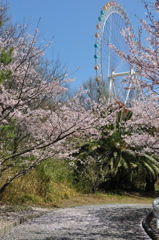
{"points": [[72, 23]]}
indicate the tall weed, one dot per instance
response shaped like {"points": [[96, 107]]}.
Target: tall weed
{"points": [[50, 182]]}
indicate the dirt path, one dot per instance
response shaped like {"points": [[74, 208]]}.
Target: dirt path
{"points": [[96, 222]]}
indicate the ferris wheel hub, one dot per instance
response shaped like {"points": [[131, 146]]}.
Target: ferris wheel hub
{"points": [[113, 75]]}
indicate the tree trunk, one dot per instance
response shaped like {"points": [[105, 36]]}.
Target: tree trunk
{"points": [[150, 184], [2, 189]]}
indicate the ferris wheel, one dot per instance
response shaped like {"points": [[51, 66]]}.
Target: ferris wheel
{"points": [[110, 68]]}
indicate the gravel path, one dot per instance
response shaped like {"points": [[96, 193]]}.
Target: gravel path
{"points": [[95, 222]]}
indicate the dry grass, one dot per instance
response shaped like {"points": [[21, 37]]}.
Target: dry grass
{"points": [[109, 198], [79, 199], [25, 191], [34, 189]]}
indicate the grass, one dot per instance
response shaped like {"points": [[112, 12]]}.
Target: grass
{"points": [[109, 198], [50, 186], [79, 199]]}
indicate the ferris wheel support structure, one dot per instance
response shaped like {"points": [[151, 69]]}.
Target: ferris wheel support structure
{"points": [[121, 74]]}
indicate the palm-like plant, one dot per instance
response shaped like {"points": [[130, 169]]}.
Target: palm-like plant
{"points": [[124, 160], [111, 157]]}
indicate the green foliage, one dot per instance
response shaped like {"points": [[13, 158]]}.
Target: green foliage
{"points": [[5, 75], [7, 130], [54, 180], [5, 59], [50, 182], [7, 133], [109, 163], [6, 56], [90, 168]]}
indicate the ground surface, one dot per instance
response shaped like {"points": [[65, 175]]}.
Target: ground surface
{"points": [[10, 213], [93, 222]]}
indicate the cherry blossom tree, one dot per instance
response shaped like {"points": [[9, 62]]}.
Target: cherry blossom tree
{"points": [[94, 91], [34, 123]]}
